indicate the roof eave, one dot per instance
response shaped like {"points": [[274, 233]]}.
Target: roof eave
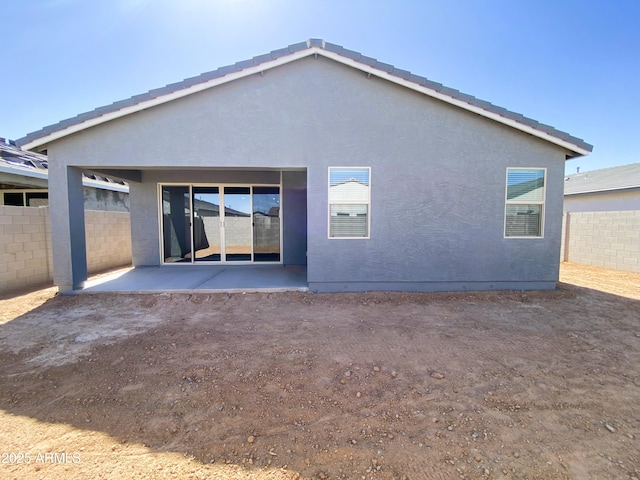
{"points": [[576, 150], [25, 172]]}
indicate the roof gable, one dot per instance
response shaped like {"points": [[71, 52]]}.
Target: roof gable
{"points": [[262, 63]]}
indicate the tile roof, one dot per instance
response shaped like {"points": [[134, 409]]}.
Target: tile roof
{"points": [[606, 179], [11, 154], [290, 53], [14, 160]]}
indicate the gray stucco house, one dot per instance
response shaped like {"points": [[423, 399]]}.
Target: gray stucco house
{"points": [[607, 189], [372, 177]]}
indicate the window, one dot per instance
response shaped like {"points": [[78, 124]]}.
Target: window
{"points": [[349, 202], [524, 209], [24, 198]]}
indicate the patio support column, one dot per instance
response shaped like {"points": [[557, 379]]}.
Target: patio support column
{"points": [[66, 199]]}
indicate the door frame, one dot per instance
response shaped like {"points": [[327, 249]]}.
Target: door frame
{"points": [[221, 187]]}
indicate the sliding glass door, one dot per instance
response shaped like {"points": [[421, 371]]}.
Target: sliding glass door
{"points": [[207, 229], [176, 219], [266, 224], [237, 224], [223, 224]]}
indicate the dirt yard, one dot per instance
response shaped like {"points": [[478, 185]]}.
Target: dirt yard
{"points": [[511, 385]]}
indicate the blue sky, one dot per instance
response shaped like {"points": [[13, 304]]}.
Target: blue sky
{"points": [[572, 64]]}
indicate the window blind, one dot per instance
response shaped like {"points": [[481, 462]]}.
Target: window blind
{"points": [[524, 202], [349, 199]]}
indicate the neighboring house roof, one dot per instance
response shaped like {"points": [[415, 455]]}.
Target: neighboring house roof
{"points": [[202, 206], [526, 191], [30, 169], [262, 63], [11, 154], [350, 191], [604, 180]]}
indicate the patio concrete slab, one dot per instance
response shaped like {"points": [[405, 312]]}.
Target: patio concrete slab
{"points": [[203, 279]]}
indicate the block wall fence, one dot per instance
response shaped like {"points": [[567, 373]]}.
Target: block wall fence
{"points": [[25, 245], [602, 239]]}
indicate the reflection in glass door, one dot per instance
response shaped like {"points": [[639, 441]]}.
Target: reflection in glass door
{"points": [[176, 219], [206, 224], [237, 224], [266, 224], [220, 224]]}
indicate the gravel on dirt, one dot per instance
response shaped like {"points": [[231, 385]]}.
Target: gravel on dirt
{"points": [[499, 385]]}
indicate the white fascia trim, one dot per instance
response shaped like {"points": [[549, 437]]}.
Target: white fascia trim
{"points": [[116, 187], [25, 172], [288, 59], [87, 182]]}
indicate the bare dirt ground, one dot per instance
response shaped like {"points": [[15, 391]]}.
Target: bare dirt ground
{"points": [[536, 385]]}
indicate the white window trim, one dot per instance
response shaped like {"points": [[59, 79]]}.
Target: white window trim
{"points": [[367, 203], [543, 203]]}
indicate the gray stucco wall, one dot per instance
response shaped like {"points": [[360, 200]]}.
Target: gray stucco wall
{"points": [[109, 200], [437, 179], [294, 212], [68, 240], [145, 227]]}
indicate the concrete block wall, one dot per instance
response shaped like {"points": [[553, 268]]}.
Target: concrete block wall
{"points": [[237, 234], [25, 245], [108, 236], [602, 239], [266, 234]]}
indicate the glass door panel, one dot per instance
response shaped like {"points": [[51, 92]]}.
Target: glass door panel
{"points": [[266, 224], [237, 224], [206, 224], [176, 221]]}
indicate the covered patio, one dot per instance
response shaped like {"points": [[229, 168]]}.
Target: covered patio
{"points": [[202, 279]]}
